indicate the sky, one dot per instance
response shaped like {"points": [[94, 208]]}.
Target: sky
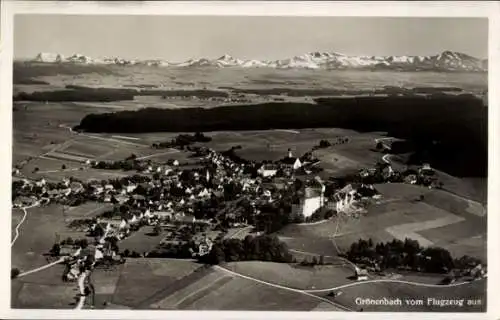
{"points": [[179, 38]]}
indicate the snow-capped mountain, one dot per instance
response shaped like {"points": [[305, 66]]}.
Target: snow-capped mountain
{"points": [[444, 61], [49, 57], [79, 58]]}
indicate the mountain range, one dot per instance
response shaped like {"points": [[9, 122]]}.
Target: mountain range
{"points": [[444, 61]]}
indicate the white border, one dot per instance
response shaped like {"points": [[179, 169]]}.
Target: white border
{"points": [[490, 9]]}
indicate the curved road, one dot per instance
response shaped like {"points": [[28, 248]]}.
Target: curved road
{"points": [[386, 157], [282, 287], [81, 286], [412, 283], [22, 221]]}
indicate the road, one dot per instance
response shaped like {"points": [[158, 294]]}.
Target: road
{"points": [[310, 292], [288, 130], [81, 286], [101, 138], [158, 154], [355, 268], [310, 253], [22, 221], [283, 288], [387, 158], [41, 268], [411, 283]]}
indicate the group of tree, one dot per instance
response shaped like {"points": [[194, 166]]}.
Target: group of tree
{"points": [[183, 250], [14, 273], [408, 254], [83, 243], [263, 248], [182, 140], [125, 165], [314, 261], [274, 216]]}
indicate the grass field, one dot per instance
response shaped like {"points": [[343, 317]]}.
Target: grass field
{"points": [[137, 282], [441, 219], [218, 290], [142, 241], [37, 296], [37, 235], [292, 276], [43, 289], [87, 210], [242, 294]]}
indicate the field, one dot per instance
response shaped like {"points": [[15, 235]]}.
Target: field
{"points": [[254, 78], [42, 226], [142, 240], [43, 289], [441, 219], [297, 277], [141, 280], [234, 293], [87, 210]]}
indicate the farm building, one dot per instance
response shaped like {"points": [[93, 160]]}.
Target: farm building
{"points": [[361, 274], [426, 169]]}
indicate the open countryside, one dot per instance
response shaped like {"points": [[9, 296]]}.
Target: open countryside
{"points": [[321, 182]]}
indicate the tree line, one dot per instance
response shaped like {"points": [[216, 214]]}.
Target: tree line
{"points": [[407, 254], [263, 248]]}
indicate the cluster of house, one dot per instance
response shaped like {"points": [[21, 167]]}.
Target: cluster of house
{"points": [[424, 174], [84, 259], [289, 165]]}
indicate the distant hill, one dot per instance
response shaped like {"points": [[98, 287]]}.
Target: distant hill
{"points": [[446, 61]]}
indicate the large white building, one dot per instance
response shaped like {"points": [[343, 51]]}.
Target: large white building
{"points": [[312, 201]]}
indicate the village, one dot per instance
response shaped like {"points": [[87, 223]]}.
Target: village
{"points": [[194, 207]]}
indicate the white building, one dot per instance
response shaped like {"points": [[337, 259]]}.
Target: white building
{"points": [[361, 274], [131, 188], [292, 163], [267, 170], [312, 201]]}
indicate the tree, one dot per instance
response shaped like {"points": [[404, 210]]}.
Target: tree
{"points": [[56, 249], [314, 260], [84, 243], [63, 167], [304, 261], [131, 157], [324, 144], [216, 255], [157, 229], [14, 273]]}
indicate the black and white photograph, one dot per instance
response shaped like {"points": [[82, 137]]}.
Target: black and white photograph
{"points": [[249, 163]]}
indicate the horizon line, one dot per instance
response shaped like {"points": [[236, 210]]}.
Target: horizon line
{"points": [[233, 56]]}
